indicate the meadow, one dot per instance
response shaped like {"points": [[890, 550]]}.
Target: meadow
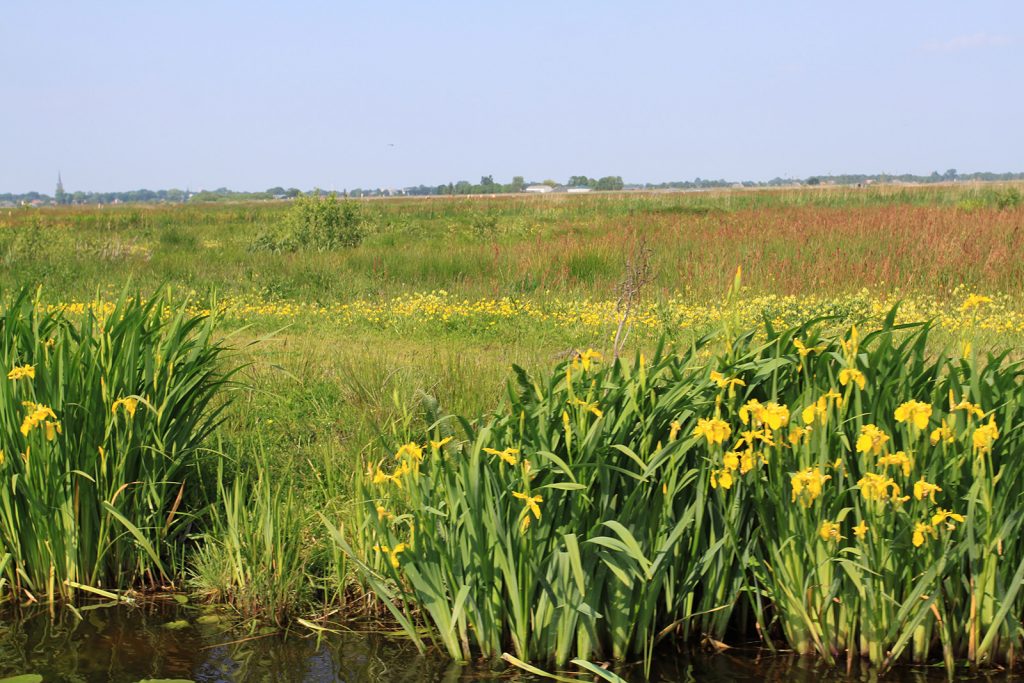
{"points": [[316, 462]]}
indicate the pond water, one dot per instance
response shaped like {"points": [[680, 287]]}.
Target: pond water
{"points": [[115, 643]]}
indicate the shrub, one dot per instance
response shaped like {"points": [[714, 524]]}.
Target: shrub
{"points": [[316, 223]]}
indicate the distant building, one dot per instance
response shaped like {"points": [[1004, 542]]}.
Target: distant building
{"points": [[541, 189], [578, 190]]}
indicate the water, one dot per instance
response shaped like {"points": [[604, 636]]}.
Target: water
{"points": [[120, 644]]}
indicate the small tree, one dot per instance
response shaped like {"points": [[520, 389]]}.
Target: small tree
{"points": [[324, 223]]}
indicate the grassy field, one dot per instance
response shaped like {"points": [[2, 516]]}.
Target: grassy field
{"points": [[338, 349], [444, 294]]}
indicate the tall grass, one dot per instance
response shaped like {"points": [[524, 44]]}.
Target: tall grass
{"points": [[774, 484], [102, 419], [253, 554]]}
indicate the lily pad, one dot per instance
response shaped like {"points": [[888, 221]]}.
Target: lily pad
{"points": [[208, 619]]}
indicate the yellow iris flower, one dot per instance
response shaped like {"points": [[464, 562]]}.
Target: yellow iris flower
{"points": [[914, 412], [871, 439], [714, 430], [509, 455], [878, 487], [985, 435], [923, 489], [807, 485], [847, 375], [829, 531], [21, 372], [898, 459], [129, 403]]}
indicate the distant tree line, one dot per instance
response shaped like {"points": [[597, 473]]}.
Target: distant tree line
{"points": [[487, 185]]}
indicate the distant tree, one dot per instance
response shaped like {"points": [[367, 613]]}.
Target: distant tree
{"points": [[487, 180], [814, 180], [275, 191], [950, 174], [611, 182], [550, 183], [580, 181], [517, 184]]}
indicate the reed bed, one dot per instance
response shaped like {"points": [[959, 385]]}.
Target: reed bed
{"points": [[102, 422], [850, 495]]}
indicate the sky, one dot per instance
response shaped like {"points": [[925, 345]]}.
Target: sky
{"points": [[251, 95]]}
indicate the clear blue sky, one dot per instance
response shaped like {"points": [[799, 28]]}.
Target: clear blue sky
{"points": [[249, 95]]}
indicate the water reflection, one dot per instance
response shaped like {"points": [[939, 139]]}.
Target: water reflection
{"points": [[120, 644]]}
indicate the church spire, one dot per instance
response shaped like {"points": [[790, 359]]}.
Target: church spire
{"points": [[58, 196]]}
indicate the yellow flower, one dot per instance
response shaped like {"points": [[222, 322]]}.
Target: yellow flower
{"points": [[721, 478], [437, 445], [820, 407], [771, 414], [731, 461], [807, 485], [796, 433], [382, 513], [723, 382], [899, 459], [395, 477], [804, 350], [847, 375], [38, 414], [915, 412], [877, 487], [714, 430], [985, 435], [746, 461], [941, 515], [942, 433], [129, 403], [750, 436], [871, 439], [923, 489], [585, 359], [393, 552], [508, 455], [920, 529], [861, 530], [851, 344], [974, 301], [592, 407], [829, 531], [972, 409], [674, 430], [531, 503], [22, 371], [2, 457], [410, 450]]}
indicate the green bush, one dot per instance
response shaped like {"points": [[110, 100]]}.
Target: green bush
{"points": [[316, 223]]}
